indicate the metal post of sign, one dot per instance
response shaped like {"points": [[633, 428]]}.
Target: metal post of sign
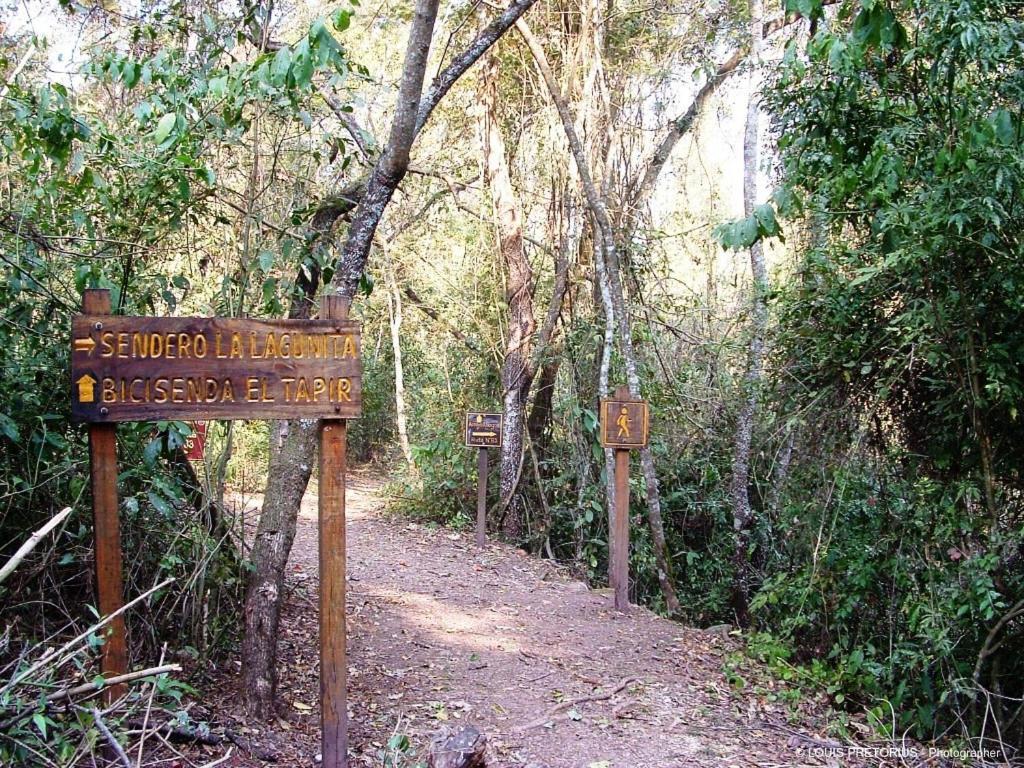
{"points": [[333, 662], [107, 527], [481, 498]]}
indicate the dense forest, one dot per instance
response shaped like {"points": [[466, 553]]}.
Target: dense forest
{"points": [[794, 230]]}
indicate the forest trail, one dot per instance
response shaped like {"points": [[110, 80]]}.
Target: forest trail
{"points": [[443, 633]]}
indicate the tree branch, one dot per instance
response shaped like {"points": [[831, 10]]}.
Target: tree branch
{"points": [[393, 164], [33, 540], [680, 126], [461, 63], [434, 315]]}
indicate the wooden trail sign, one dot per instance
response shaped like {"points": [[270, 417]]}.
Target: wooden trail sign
{"points": [[195, 444], [625, 423], [157, 368], [483, 431]]}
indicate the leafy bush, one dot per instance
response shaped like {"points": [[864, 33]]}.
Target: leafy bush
{"points": [[900, 134]]}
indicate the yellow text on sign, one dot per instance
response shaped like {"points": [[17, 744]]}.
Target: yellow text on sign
{"points": [[208, 389], [266, 345]]}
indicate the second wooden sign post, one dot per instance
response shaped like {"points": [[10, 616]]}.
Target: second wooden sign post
{"points": [[624, 427], [483, 431]]}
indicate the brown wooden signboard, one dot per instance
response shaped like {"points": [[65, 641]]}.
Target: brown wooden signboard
{"points": [[624, 423], [155, 368], [624, 427], [483, 430]]}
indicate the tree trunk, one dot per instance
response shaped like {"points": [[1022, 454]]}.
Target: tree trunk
{"points": [[395, 323], [291, 451], [538, 425], [289, 467], [742, 514], [780, 474], [609, 279], [291, 462], [517, 370]]}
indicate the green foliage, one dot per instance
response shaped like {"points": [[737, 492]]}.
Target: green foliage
{"points": [[892, 607], [901, 137], [444, 490], [762, 224], [399, 753], [63, 735], [250, 454], [117, 182], [915, 298]]}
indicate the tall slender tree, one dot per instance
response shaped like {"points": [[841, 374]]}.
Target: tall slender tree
{"points": [[292, 443], [742, 513]]}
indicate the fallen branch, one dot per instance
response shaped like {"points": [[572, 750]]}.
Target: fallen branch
{"points": [[90, 688], [99, 685], [33, 540], [562, 707], [58, 655], [149, 703], [189, 734], [219, 760], [114, 744]]}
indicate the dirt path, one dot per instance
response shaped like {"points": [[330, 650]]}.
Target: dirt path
{"points": [[442, 633]]}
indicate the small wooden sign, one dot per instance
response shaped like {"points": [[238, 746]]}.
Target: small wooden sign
{"points": [[153, 368], [624, 423], [483, 430], [195, 444]]}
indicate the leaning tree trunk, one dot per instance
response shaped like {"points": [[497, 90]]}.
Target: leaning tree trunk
{"points": [[742, 514], [292, 446], [290, 465], [610, 283], [288, 468], [517, 371]]}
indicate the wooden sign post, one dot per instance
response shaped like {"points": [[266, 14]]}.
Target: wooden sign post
{"points": [[107, 528], [624, 427], [184, 368], [333, 661], [483, 431]]}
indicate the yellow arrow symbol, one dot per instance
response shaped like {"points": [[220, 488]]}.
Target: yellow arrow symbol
{"points": [[85, 345], [484, 434], [86, 385]]}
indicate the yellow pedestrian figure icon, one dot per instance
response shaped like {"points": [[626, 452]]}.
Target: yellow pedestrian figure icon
{"points": [[623, 423]]}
